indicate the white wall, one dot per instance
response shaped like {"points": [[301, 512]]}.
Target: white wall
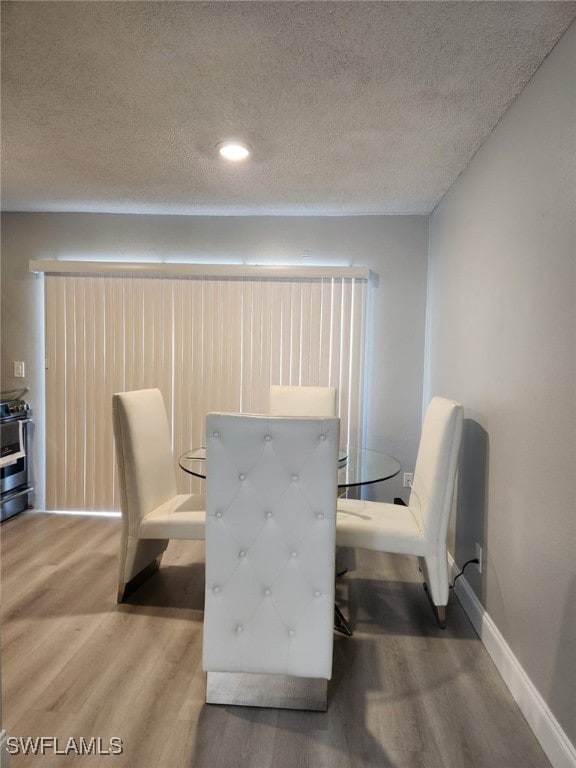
{"points": [[501, 338], [395, 248]]}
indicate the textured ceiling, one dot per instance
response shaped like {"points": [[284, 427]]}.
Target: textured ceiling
{"points": [[349, 107]]}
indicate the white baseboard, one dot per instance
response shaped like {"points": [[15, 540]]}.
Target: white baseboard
{"points": [[557, 746]]}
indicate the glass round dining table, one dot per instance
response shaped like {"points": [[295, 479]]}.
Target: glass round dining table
{"points": [[356, 466]]}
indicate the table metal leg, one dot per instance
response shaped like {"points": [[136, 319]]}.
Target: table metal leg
{"points": [[340, 623]]}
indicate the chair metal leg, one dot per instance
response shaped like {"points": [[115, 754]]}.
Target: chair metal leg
{"points": [[439, 610], [125, 590], [340, 623], [248, 689]]}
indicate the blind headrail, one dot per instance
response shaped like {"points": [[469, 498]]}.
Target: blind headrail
{"points": [[156, 269]]}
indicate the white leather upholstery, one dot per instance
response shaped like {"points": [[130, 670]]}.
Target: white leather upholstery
{"points": [[303, 401], [152, 511], [379, 526], [181, 517], [421, 528], [270, 544]]}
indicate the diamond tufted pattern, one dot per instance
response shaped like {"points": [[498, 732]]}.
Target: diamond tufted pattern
{"points": [[271, 494]]}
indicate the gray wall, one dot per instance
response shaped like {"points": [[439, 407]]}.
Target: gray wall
{"points": [[501, 338], [395, 248], [501, 332]]}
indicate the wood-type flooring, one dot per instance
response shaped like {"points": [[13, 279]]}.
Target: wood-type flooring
{"points": [[404, 694]]}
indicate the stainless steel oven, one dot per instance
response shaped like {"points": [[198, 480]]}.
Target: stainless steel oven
{"points": [[15, 424]]}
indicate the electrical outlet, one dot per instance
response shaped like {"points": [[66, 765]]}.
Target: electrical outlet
{"points": [[19, 370], [479, 556], [408, 477]]}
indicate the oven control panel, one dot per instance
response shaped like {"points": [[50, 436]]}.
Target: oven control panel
{"points": [[12, 404], [13, 408]]}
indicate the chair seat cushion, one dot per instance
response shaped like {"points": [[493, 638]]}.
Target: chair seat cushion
{"points": [[181, 517], [379, 526]]}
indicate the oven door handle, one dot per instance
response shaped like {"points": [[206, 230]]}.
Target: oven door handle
{"points": [[13, 421], [10, 496]]}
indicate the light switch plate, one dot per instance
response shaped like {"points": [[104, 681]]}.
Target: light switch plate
{"points": [[19, 369]]}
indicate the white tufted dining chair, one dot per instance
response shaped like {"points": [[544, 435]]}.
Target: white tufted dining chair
{"points": [[152, 510], [270, 550], [308, 401], [421, 528], [303, 401]]}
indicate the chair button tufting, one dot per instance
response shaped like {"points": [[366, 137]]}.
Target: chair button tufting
{"points": [[218, 515], [294, 554], [317, 593], [294, 477], [216, 590], [268, 438], [215, 434], [320, 516], [269, 515], [267, 592], [291, 633], [239, 629], [242, 553], [242, 477], [322, 437]]}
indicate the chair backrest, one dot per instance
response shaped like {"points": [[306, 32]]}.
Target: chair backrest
{"points": [[271, 488], [436, 463], [303, 401], [143, 452]]}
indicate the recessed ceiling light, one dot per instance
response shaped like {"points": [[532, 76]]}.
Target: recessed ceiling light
{"points": [[233, 150]]}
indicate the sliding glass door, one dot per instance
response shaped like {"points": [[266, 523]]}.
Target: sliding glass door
{"points": [[209, 342]]}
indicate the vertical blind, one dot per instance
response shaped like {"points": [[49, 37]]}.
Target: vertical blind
{"points": [[209, 343]]}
